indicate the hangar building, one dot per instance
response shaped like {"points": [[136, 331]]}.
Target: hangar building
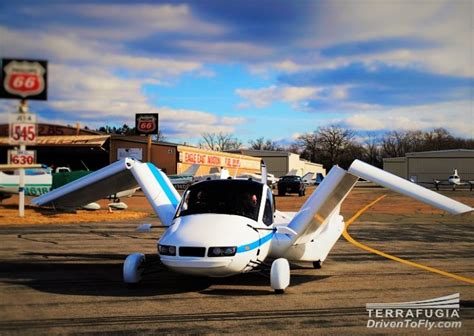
{"points": [[428, 166], [280, 163]]}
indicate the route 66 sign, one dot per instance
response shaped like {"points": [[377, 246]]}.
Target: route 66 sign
{"points": [[146, 123], [24, 79]]}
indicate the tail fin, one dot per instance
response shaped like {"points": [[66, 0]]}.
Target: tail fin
{"points": [[308, 178], [263, 172], [192, 170], [322, 204]]}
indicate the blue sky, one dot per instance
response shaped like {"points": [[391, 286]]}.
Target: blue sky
{"points": [[270, 68]]}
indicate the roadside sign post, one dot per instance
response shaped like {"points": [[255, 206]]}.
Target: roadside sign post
{"points": [[22, 132], [147, 124], [23, 79]]}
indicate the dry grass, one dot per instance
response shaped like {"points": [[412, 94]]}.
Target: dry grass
{"points": [[35, 215]]}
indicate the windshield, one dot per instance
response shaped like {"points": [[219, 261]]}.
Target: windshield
{"points": [[291, 178], [230, 197]]}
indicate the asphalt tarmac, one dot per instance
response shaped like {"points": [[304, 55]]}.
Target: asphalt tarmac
{"points": [[67, 279]]}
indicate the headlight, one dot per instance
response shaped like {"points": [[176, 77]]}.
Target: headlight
{"points": [[167, 250], [226, 251]]}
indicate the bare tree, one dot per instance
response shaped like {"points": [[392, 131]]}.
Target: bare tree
{"points": [[334, 140], [373, 151], [262, 144], [329, 145], [127, 130], [219, 141], [308, 146]]}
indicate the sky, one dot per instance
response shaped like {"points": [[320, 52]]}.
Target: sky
{"points": [[269, 68]]}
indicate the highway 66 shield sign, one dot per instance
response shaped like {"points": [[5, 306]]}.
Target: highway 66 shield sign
{"points": [[24, 79], [146, 123]]}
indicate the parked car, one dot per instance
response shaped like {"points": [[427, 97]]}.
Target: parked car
{"points": [[291, 184]]}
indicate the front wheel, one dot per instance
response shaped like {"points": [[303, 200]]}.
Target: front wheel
{"points": [[133, 268], [280, 275]]}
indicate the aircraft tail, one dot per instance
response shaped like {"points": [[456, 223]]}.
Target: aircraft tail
{"points": [[121, 175], [308, 178], [293, 172], [192, 170]]}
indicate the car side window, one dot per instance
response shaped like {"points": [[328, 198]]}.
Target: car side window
{"points": [[268, 212]]}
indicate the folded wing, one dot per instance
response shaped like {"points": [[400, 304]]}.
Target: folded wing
{"points": [[121, 175]]}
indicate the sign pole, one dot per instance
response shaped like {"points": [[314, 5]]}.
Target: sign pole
{"points": [[21, 189], [148, 149], [23, 108]]}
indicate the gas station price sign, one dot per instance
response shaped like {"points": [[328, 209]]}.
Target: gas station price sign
{"points": [[21, 157], [23, 129]]}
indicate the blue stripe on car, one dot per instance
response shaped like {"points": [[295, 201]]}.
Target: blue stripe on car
{"points": [[255, 244]]}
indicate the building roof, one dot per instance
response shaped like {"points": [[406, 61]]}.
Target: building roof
{"points": [[141, 139], [443, 153], [261, 153], [65, 140]]}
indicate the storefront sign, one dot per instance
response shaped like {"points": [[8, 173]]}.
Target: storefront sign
{"points": [[218, 160]]}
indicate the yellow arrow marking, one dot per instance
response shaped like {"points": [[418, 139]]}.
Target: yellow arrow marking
{"points": [[391, 257]]}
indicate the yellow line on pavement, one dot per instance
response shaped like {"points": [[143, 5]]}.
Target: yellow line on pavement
{"points": [[391, 257]]}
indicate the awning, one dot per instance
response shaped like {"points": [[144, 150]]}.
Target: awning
{"points": [[66, 140]]}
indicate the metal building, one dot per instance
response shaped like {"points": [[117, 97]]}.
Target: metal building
{"points": [[432, 165], [280, 163]]}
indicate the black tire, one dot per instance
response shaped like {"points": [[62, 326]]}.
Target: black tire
{"points": [[281, 193], [279, 291], [317, 264], [300, 193]]}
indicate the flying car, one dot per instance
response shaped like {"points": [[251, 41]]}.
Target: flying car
{"points": [[224, 227]]}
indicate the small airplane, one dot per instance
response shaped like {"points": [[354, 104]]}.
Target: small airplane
{"points": [[454, 181], [271, 179], [38, 181], [224, 227], [183, 180], [308, 178], [215, 174]]}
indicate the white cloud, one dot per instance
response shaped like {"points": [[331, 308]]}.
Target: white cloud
{"points": [[61, 49], [264, 97], [140, 20], [454, 116], [95, 97]]}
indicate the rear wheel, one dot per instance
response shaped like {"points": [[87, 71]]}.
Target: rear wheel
{"points": [[317, 264], [281, 193]]}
